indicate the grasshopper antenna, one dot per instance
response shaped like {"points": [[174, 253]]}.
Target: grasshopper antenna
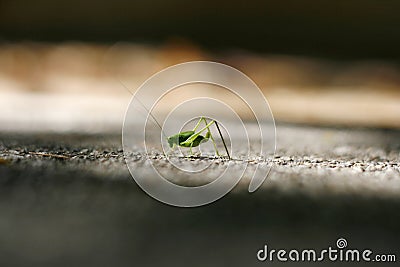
{"points": [[223, 140], [141, 103]]}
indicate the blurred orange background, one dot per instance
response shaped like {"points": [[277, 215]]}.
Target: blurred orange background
{"points": [[317, 62]]}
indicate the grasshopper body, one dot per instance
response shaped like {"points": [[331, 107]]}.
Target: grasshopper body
{"points": [[193, 139], [180, 138]]}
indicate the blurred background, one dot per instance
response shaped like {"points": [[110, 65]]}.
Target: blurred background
{"points": [[317, 62]]}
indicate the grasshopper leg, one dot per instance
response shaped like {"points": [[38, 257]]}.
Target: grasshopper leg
{"points": [[212, 138], [198, 124], [191, 151], [223, 140]]}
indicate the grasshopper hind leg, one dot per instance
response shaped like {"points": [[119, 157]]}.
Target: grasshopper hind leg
{"points": [[211, 137]]}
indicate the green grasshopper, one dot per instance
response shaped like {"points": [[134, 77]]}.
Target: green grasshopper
{"points": [[193, 139], [190, 139]]}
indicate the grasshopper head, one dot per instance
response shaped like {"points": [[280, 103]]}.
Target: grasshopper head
{"points": [[172, 140]]}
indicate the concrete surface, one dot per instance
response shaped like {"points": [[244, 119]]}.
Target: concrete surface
{"points": [[68, 200]]}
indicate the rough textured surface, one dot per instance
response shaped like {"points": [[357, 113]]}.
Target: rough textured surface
{"points": [[69, 200]]}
